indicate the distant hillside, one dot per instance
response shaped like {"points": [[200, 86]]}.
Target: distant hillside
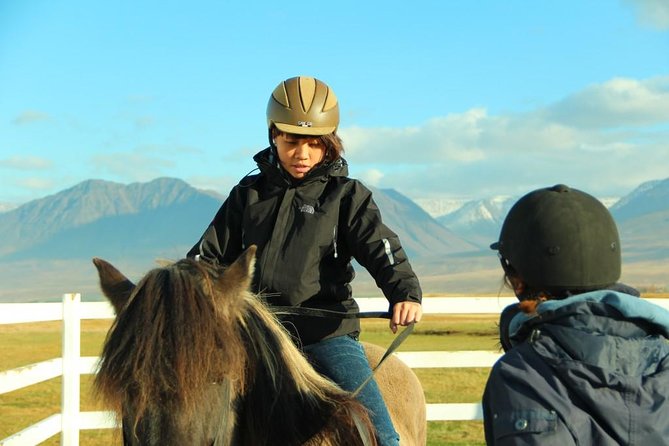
{"points": [[643, 221], [421, 235], [47, 244], [104, 218], [648, 198]]}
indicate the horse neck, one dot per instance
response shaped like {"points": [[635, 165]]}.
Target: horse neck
{"points": [[289, 418], [286, 402]]}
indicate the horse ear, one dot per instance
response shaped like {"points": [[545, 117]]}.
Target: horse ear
{"points": [[115, 286], [240, 273]]}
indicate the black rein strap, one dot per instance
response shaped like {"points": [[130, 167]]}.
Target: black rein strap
{"points": [[343, 315], [315, 312]]}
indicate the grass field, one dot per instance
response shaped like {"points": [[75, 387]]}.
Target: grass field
{"points": [[23, 344]]}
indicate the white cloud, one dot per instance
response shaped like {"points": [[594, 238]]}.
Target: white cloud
{"points": [[219, 184], [455, 137], [372, 176], [618, 102], [605, 139], [652, 13], [31, 116], [36, 184], [144, 122], [140, 99], [132, 166], [19, 162]]}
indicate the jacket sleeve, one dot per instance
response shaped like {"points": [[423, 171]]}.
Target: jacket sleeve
{"points": [[378, 249], [221, 242], [522, 407]]}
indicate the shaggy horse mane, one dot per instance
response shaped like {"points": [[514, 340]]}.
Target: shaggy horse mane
{"points": [[189, 325]]}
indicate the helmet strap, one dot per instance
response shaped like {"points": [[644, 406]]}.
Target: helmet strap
{"points": [[506, 265], [271, 139]]}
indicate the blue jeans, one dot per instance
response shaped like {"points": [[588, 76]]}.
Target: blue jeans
{"points": [[343, 360]]}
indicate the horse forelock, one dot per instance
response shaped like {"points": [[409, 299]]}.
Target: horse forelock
{"points": [[169, 344]]}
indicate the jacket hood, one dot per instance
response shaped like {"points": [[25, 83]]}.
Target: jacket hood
{"points": [[629, 306], [268, 163]]}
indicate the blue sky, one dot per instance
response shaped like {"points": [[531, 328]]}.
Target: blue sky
{"points": [[440, 99]]}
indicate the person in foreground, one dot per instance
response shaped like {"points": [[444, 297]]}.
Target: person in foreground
{"points": [[308, 220], [586, 360]]}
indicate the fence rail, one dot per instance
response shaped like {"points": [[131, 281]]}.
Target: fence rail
{"points": [[71, 366]]}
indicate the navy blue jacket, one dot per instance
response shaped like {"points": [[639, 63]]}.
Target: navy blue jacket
{"points": [[592, 369]]}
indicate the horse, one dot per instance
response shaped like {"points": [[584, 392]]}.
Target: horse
{"points": [[194, 357]]}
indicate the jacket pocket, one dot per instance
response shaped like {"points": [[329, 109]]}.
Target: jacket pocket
{"points": [[523, 422]]}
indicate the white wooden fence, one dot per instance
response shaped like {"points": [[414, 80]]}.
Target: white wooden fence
{"points": [[71, 365]]}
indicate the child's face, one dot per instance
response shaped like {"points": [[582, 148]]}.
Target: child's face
{"points": [[298, 154]]}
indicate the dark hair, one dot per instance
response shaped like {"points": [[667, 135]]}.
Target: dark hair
{"points": [[334, 146], [533, 293]]}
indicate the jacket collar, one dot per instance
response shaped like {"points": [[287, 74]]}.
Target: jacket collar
{"points": [[630, 307], [268, 163]]}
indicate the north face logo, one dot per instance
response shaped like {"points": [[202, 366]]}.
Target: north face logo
{"points": [[307, 208]]}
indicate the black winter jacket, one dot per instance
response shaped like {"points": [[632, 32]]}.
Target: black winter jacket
{"points": [[307, 232], [592, 369]]}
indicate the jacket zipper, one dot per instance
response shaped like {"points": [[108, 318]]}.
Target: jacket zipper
{"points": [[334, 240], [273, 247]]}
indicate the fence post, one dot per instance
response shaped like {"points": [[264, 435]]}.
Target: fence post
{"points": [[71, 353]]}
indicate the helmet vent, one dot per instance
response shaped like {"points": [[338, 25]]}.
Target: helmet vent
{"points": [[330, 101], [280, 95], [307, 86]]}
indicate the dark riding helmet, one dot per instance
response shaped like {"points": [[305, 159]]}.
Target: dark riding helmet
{"points": [[560, 239]]}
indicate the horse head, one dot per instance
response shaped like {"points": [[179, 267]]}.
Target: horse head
{"points": [[172, 365], [193, 357]]}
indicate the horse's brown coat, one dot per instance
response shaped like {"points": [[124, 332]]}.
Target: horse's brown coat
{"points": [[403, 395]]}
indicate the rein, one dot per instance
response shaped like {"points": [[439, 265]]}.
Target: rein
{"points": [[360, 315]]}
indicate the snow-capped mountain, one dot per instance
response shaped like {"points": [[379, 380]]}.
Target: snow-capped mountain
{"points": [[438, 207], [479, 221]]}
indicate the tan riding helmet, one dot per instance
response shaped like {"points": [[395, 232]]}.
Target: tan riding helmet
{"points": [[303, 106]]}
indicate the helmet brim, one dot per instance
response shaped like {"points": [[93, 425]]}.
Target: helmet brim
{"points": [[300, 130]]}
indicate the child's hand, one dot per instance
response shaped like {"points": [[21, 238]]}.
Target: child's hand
{"points": [[404, 313]]}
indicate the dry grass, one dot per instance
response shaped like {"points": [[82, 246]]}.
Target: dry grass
{"points": [[655, 295]]}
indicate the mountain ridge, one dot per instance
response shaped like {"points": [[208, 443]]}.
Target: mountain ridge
{"points": [[48, 242]]}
